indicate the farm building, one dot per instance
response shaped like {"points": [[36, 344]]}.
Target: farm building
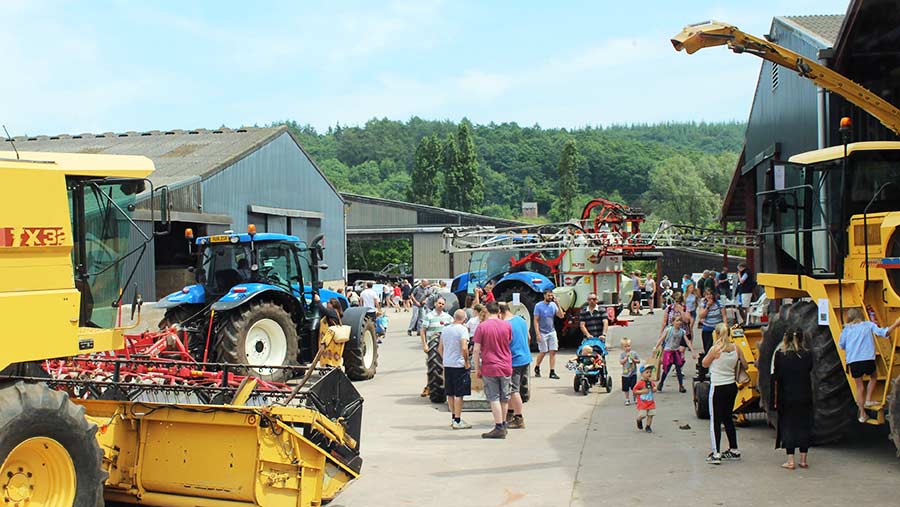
{"points": [[220, 180]]}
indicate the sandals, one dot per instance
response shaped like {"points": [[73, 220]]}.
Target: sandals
{"points": [[870, 404], [803, 465], [863, 418], [787, 466]]}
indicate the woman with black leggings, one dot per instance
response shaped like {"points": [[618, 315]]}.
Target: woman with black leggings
{"points": [[710, 316], [722, 360]]}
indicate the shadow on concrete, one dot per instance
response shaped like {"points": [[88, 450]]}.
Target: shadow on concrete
{"points": [[500, 470]]}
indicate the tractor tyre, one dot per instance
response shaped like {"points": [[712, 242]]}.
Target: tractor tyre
{"points": [[770, 343], [834, 410], [528, 298], [701, 399], [48, 449], [178, 315], [259, 333], [435, 366], [360, 361], [893, 415], [525, 388]]}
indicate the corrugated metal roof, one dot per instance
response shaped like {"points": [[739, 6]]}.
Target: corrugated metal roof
{"points": [[178, 154], [824, 26]]}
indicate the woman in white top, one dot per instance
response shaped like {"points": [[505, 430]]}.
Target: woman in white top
{"points": [[722, 361]]}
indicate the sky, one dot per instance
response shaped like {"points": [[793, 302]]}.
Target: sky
{"points": [[110, 66]]}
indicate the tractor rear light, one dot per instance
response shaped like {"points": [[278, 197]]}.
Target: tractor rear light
{"points": [[189, 233], [251, 229], [239, 290]]}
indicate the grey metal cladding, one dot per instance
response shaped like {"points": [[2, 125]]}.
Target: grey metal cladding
{"points": [[279, 174]]}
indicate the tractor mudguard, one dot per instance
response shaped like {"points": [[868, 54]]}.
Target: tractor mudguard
{"points": [[192, 294], [242, 293], [536, 281], [355, 318], [460, 283]]}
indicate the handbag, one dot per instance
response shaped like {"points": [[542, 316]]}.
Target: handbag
{"points": [[740, 371]]}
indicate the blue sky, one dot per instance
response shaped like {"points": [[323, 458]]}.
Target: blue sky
{"points": [[117, 66]]}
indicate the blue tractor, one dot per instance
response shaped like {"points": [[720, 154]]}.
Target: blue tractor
{"points": [[528, 279], [252, 305]]}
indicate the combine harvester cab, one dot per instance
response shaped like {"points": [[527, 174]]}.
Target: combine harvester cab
{"points": [[88, 412], [253, 304], [831, 238]]}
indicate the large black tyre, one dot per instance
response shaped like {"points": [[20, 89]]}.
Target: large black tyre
{"points": [[528, 298], [701, 399], [834, 410], [435, 365], [259, 333], [178, 315], [525, 388], [30, 411], [361, 352], [893, 403], [774, 333]]}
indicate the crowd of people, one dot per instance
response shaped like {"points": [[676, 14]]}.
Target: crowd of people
{"points": [[487, 338]]}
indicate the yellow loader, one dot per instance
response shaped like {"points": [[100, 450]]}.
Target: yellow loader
{"points": [[831, 236], [65, 230]]}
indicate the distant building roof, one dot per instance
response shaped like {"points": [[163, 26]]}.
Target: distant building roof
{"points": [[178, 155], [824, 27], [480, 219]]}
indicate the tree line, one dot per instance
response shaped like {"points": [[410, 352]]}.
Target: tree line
{"points": [[675, 171]]}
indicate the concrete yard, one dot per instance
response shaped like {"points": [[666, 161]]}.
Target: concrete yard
{"points": [[585, 450]]}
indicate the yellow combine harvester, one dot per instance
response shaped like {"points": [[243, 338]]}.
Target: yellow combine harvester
{"points": [[64, 241], [834, 232]]}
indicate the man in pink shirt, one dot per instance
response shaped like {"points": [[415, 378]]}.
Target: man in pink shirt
{"points": [[493, 364]]}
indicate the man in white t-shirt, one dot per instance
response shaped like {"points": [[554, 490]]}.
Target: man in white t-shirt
{"points": [[369, 298]]}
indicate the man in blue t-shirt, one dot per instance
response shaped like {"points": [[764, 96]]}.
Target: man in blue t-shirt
{"points": [[546, 332], [521, 358]]}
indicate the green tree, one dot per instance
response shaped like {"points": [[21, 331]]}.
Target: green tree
{"points": [[423, 185], [568, 180], [453, 179], [678, 194], [471, 186]]}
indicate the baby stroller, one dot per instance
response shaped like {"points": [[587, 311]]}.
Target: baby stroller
{"points": [[590, 366]]}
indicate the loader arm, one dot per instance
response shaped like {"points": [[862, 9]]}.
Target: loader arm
{"points": [[703, 35]]}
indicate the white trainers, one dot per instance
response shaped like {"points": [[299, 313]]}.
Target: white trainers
{"points": [[461, 425], [714, 458]]}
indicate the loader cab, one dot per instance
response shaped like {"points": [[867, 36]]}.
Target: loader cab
{"points": [[806, 209]]}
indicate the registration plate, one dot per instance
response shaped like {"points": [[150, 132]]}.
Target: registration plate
{"points": [[221, 238]]}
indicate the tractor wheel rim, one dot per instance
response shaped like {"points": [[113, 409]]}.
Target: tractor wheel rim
{"points": [[266, 344], [38, 472], [368, 348]]}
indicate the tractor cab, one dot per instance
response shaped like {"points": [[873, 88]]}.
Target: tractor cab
{"points": [[228, 261]]}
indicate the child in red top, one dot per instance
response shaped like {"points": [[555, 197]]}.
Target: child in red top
{"points": [[643, 396]]}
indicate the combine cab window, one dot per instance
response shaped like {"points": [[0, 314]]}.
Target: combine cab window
{"points": [[102, 225]]}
